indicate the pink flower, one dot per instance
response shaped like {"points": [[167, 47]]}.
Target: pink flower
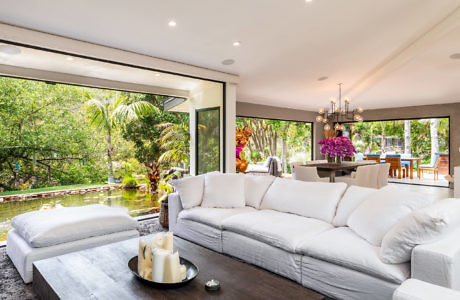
{"points": [[337, 146]]}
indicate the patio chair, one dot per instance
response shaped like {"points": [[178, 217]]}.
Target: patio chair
{"points": [[375, 157], [397, 166], [434, 167], [306, 174]]}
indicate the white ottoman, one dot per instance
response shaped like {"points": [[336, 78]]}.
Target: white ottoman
{"points": [[44, 234], [414, 289]]}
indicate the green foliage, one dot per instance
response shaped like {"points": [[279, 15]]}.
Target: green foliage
{"points": [[175, 142], [145, 133], [129, 182], [388, 137], [288, 140]]}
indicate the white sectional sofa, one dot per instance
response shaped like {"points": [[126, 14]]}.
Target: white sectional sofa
{"points": [[328, 238]]}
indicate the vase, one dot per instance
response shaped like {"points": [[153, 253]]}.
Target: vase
{"points": [[330, 159], [338, 159]]}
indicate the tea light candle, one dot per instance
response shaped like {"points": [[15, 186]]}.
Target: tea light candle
{"points": [[212, 285]]}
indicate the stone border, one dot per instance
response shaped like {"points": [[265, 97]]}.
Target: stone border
{"points": [[22, 197]]}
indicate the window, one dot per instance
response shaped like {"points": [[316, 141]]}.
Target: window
{"points": [[208, 140]]}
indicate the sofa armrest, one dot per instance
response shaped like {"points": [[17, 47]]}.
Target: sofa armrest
{"points": [[174, 208], [439, 262], [415, 289]]}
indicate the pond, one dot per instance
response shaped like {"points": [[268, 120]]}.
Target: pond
{"points": [[138, 203]]}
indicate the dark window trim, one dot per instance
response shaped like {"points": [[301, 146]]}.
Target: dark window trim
{"points": [[196, 136], [312, 124]]}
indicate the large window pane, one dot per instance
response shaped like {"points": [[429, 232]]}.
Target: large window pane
{"points": [[208, 140]]}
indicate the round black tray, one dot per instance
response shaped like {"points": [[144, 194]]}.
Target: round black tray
{"points": [[192, 272]]}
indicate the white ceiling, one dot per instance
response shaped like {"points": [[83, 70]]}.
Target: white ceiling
{"points": [[49, 61], [387, 53]]}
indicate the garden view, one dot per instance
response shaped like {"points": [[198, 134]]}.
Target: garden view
{"points": [[57, 136]]}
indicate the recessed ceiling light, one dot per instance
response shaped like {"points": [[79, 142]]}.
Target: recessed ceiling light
{"points": [[172, 23], [236, 43], [322, 78], [308, 1], [69, 58], [157, 74], [228, 62], [9, 49], [455, 56]]}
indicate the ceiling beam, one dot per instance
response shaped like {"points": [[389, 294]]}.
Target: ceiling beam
{"points": [[406, 53], [65, 78]]}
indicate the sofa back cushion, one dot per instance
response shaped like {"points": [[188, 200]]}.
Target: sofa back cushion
{"points": [[190, 190], [375, 216], [309, 199], [255, 188], [352, 198], [223, 190], [422, 226]]}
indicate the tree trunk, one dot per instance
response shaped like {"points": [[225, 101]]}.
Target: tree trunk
{"points": [[434, 139], [110, 178], [284, 156], [407, 140]]}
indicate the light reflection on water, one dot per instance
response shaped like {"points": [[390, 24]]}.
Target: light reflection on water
{"points": [[137, 203]]}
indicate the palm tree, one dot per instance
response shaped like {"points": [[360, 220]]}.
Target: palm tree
{"points": [[108, 113], [175, 139]]}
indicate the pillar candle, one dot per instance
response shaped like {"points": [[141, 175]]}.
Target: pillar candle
{"points": [[144, 260], [158, 264]]}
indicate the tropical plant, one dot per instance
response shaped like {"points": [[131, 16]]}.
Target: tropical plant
{"points": [[107, 113], [175, 140]]}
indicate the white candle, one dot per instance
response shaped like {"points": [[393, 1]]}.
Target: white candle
{"points": [[172, 271], [144, 260], [158, 264], [163, 241]]}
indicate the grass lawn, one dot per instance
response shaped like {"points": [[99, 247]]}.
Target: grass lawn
{"points": [[52, 188]]}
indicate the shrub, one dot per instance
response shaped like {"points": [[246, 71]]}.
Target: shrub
{"points": [[129, 182]]}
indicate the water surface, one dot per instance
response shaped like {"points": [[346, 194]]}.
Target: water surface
{"points": [[137, 204]]}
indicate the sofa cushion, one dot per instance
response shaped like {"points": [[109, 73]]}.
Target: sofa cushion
{"points": [[309, 199], [374, 217], [223, 190], [46, 228], [255, 188], [190, 190], [353, 197], [422, 226], [212, 216], [282, 230], [343, 247]]}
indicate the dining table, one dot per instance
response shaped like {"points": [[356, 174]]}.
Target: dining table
{"points": [[411, 167], [331, 168]]}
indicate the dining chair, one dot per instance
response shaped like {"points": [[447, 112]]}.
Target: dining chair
{"points": [[366, 176], [397, 166], [306, 174], [375, 157], [433, 168], [384, 170]]}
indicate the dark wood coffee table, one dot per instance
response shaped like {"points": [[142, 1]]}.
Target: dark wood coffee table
{"points": [[102, 273]]}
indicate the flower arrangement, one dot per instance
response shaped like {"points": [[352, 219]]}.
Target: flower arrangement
{"points": [[337, 146]]}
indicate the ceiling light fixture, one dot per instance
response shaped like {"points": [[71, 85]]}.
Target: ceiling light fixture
{"points": [[172, 23], [10, 49], [455, 56], [157, 74], [322, 78], [69, 58], [339, 114], [228, 62], [308, 1], [236, 43]]}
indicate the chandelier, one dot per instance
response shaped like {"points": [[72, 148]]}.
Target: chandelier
{"points": [[338, 114]]}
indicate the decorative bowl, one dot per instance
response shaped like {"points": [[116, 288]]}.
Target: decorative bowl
{"points": [[192, 272]]}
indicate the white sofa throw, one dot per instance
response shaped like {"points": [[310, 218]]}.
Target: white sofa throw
{"points": [[309, 199]]}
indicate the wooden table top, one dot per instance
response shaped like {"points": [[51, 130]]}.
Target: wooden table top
{"points": [[346, 165], [102, 273]]}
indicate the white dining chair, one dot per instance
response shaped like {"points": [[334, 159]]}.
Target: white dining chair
{"points": [[366, 176], [306, 173]]}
